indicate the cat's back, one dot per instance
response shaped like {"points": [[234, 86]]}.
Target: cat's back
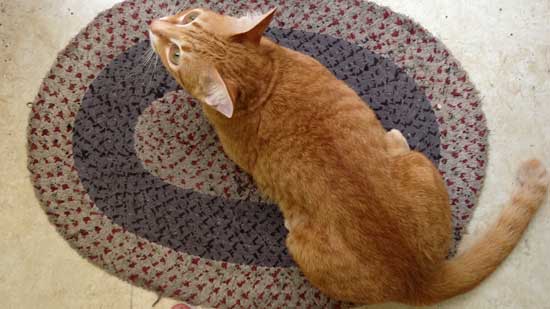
{"points": [[316, 129], [310, 106]]}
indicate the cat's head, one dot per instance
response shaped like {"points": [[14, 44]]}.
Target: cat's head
{"points": [[209, 54]]}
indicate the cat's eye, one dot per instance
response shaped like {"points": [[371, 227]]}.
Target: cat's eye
{"points": [[191, 16], [174, 54]]}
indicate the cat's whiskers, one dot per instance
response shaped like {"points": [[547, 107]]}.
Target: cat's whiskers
{"points": [[154, 71], [150, 55], [149, 62], [144, 58]]}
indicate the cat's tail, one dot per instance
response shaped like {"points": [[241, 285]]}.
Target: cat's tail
{"points": [[465, 271]]}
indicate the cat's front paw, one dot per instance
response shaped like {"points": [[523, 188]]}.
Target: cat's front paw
{"points": [[287, 225], [396, 143]]}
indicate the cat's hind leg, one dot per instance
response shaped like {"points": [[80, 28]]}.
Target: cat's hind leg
{"points": [[396, 144]]}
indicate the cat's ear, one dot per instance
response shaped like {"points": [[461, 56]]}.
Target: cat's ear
{"points": [[255, 31], [219, 94]]}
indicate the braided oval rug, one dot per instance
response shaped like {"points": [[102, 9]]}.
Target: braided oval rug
{"points": [[133, 177]]}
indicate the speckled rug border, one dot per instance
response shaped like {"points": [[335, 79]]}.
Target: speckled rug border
{"points": [[218, 283]]}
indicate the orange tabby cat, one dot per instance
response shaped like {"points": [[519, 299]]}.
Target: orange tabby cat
{"points": [[369, 220]]}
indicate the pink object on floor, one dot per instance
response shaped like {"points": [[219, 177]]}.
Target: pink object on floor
{"points": [[181, 306]]}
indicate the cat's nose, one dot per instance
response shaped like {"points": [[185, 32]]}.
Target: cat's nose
{"points": [[164, 28], [158, 26]]}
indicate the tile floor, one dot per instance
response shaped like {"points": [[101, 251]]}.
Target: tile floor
{"points": [[505, 47]]}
